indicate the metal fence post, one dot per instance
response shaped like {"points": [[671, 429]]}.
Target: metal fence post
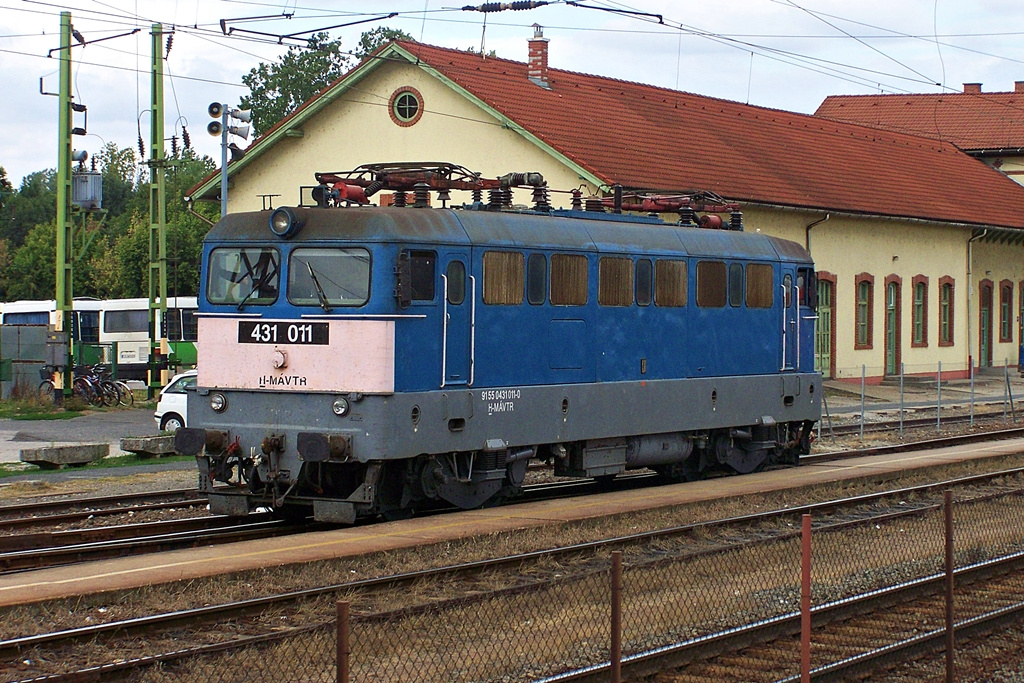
{"points": [[972, 393], [805, 600], [950, 633], [616, 644], [1009, 393], [863, 375], [938, 406], [1006, 386], [901, 400], [343, 642]]}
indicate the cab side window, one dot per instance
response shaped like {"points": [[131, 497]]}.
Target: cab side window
{"points": [[423, 264]]}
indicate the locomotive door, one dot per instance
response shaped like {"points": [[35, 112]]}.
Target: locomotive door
{"points": [[790, 321], [457, 341]]}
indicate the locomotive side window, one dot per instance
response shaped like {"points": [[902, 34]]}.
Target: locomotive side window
{"points": [[644, 282], [243, 275], [568, 280], [422, 265], [711, 284], [670, 283], [536, 279], [787, 286], [615, 281], [735, 284], [329, 277], [808, 284], [760, 292], [504, 275], [456, 277]]}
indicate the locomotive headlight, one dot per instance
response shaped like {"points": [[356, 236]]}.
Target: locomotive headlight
{"points": [[219, 402], [340, 407], [285, 222]]}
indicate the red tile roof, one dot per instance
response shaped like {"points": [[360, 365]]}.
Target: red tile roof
{"points": [[971, 121], [653, 138]]}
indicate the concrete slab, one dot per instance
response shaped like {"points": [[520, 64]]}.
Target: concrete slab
{"points": [[76, 455], [148, 446]]}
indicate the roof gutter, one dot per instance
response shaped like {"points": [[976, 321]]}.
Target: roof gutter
{"points": [[882, 216]]}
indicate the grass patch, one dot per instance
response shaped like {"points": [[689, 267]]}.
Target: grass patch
{"points": [[15, 469], [39, 408], [132, 460]]}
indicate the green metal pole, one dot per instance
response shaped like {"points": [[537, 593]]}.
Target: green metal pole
{"points": [[65, 229], [157, 216]]}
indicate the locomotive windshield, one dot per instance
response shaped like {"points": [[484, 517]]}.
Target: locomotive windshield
{"points": [[328, 277], [243, 276]]}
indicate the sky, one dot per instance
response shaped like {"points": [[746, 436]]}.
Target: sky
{"points": [[783, 54]]}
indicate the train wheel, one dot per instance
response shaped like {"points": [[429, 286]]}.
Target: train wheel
{"points": [[688, 470]]}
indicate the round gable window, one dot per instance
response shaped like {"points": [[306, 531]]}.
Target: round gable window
{"points": [[406, 106]]}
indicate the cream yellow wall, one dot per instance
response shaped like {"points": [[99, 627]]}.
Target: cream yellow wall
{"points": [[997, 262], [357, 129], [1012, 166], [846, 246]]}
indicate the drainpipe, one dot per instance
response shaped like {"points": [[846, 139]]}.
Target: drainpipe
{"points": [[970, 289], [807, 231]]}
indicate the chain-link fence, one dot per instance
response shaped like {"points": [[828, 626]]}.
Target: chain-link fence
{"points": [[537, 629]]}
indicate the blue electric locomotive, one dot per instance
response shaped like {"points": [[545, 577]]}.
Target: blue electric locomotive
{"points": [[366, 361]]}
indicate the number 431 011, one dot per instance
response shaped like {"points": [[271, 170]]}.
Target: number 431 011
{"points": [[280, 332]]}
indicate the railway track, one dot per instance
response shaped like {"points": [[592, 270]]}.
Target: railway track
{"points": [[52, 513], [259, 617], [890, 627]]}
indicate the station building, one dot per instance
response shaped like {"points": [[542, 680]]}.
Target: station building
{"points": [[917, 244]]}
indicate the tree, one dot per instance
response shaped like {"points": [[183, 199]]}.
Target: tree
{"points": [[34, 203], [279, 88], [5, 186], [371, 40]]}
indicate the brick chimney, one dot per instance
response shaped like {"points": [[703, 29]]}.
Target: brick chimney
{"points": [[537, 67], [1018, 86], [972, 88]]}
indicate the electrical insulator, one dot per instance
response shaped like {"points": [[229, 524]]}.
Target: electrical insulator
{"points": [[170, 41], [174, 145], [142, 147], [186, 138]]}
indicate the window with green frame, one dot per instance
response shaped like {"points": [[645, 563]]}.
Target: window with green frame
{"points": [[1006, 311], [946, 313], [920, 313], [864, 298]]}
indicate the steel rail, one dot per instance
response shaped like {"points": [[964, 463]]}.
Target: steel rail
{"points": [[49, 557], [100, 504], [70, 537]]}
